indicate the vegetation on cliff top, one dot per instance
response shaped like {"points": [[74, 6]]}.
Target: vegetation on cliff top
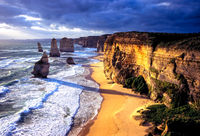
{"points": [[191, 41]]}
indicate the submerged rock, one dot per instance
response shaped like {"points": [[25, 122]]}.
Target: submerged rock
{"points": [[54, 52], [41, 68], [39, 47], [66, 45], [70, 60]]}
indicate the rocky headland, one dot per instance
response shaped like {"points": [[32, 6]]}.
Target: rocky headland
{"points": [[92, 41], [158, 58], [163, 66], [100, 42], [66, 45]]}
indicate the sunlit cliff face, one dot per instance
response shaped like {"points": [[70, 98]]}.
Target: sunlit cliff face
{"points": [[155, 58]]}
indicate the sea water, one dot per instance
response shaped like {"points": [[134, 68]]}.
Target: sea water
{"points": [[34, 106]]}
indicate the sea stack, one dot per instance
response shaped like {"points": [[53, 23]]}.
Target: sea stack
{"points": [[41, 68], [54, 52], [39, 47], [66, 45]]}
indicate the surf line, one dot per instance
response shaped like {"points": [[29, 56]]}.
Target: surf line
{"points": [[29, 110]]}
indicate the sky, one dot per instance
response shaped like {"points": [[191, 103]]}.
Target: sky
{"points": [[34, 19]]}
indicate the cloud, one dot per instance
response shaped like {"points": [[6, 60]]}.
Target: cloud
{"points": [[163, 4], [8, 31], [101, 16], [29, 18]]}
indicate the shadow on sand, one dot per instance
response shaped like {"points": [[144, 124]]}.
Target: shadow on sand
{"points": [[93, 89]]}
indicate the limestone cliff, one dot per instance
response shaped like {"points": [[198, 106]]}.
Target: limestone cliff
{"points": [[90, 41], [161, 58], [100, 42]]}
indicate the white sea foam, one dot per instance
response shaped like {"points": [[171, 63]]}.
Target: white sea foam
{"points": [[17, 63], [55, 116], [3, 90], [42, 106]]}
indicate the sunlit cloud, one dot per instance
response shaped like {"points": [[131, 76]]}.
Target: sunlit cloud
{"points": [[8, 31], [163, 4], [29, 18], [57, 28]]}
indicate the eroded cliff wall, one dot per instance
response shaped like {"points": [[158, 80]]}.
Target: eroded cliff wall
{"points": [[90, 41], [161, 58]]}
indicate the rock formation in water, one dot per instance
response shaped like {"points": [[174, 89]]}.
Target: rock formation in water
{"points": [[54, 52], [39, 47], [90, 41], [66, 45], [169, 63], [100, 43], [41, 68], [70, 61]]}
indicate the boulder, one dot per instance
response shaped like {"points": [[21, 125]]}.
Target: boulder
{"points": [[70, 60], [39, 47], [54, 52], [66, 45], [41, 68]]}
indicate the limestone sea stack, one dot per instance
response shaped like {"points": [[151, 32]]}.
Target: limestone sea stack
{"points": [[70, 61], [39, 47], [41, 68], [54, 52], [66, 45]]}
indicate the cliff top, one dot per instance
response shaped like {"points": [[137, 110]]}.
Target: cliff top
{"points": [[189, 41]]}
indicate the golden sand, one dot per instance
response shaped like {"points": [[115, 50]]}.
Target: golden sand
{"points": [[116, 116]]}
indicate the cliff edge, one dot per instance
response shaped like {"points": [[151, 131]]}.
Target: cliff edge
{"points": [[169, 63]]}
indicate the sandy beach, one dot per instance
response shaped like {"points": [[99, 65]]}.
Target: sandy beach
{"points": [[119, 106]]}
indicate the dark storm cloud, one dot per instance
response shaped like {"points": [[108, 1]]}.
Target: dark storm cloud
{"points": [[112, 15]]}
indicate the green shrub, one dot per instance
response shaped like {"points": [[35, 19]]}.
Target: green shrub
{"points": [[155, 113], [166, 87], [183, 120], [137, 84], [128, 82], [140, 85]]}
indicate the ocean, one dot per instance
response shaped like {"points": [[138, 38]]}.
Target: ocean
{"points": [[33, 106]]}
